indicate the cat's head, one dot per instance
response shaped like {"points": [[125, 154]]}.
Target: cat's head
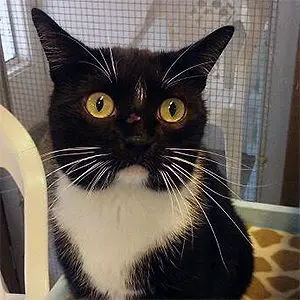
{"points": [[132, 107]]}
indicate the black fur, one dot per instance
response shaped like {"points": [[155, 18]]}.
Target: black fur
{"points": [[198, 272]]}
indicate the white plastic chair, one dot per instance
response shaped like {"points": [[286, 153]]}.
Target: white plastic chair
{"points": [[20, 157]]}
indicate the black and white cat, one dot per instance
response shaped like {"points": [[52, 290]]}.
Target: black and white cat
{"points": [[141, 211]]}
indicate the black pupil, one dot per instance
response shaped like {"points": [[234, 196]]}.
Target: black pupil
{"points": [[99, 103], [172, 109]]}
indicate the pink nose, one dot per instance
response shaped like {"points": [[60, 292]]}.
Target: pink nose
{"points": [[133, 118]]}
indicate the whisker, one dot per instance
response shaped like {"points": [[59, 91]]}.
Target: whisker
{"points": [[189, 176], [184, 78], [162, 173], [73, 162], [67, 154], [204, 213], [83, 175], [208, 159], [69, 149], [98, 176], [221, 181], [206, 171], [112, 58], [184, 202], [168, 177], [176, 60], [210, 152], [106, 64], [203, 168], [187, 69], [92, 181], [100, 69], [108, 175], [88, 51], [78, 179], [234, 183], [113, 63], [221, 177], [71, 171]]}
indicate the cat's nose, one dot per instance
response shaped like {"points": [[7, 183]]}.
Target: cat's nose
{"points": [[133, 118]]}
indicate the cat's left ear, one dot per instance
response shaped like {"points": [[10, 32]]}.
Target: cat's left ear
{"points": [[199, 58], [61, 48]]}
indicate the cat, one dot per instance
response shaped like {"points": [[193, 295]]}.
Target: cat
{"points": [[141, 211]]}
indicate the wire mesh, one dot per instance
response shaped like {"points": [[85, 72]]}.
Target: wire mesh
{"points": [[237, 89], [237, 93]]}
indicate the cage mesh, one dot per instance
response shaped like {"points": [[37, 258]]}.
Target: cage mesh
{"points": [[237, 89]]}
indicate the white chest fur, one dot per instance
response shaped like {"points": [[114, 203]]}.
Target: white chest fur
{"points": [[113, 227]]}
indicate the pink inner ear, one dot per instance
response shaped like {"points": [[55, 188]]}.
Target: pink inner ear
{"points": [[133, 118]]}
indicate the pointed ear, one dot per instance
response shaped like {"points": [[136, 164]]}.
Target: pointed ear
{"points": [[211, 47], [198, 59], [61, 49]]}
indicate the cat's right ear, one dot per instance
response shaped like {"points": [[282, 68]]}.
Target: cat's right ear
{"points": [[60, 48]]}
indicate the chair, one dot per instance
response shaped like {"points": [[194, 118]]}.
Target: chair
{"points": [[19, 156]]}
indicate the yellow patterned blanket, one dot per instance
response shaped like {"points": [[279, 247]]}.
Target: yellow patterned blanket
{"points": [[277, 265]]}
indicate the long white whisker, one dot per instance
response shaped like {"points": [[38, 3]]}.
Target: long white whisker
{"points": [[187, 69], [100, 69], [162, 173], [206, 171], [208, 159], [201, 157], [222, 182], [109, 173], [221, 177], [204, 213], [186, 207], [83, 175], [112, 57], [73, 162], [184, 78], [176, 60], [68, 154], [88, 51], [102, 171], [189, 176], [175, 196], [113, 63], [96, 175], [209, 152], [69, 149], [71, 171], [225, 214], [108, 69]]}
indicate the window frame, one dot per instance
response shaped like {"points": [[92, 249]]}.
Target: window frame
{"points": [[22, 71], [11, 60]]}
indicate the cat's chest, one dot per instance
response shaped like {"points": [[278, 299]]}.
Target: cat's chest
{"points": [[114, 227]]}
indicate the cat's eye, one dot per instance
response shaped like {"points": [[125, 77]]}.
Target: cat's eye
{"points": [[100, 105], [172, 110]]}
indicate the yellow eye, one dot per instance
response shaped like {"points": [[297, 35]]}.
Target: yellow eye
{"points": [[100, 105], [172, 110]]}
